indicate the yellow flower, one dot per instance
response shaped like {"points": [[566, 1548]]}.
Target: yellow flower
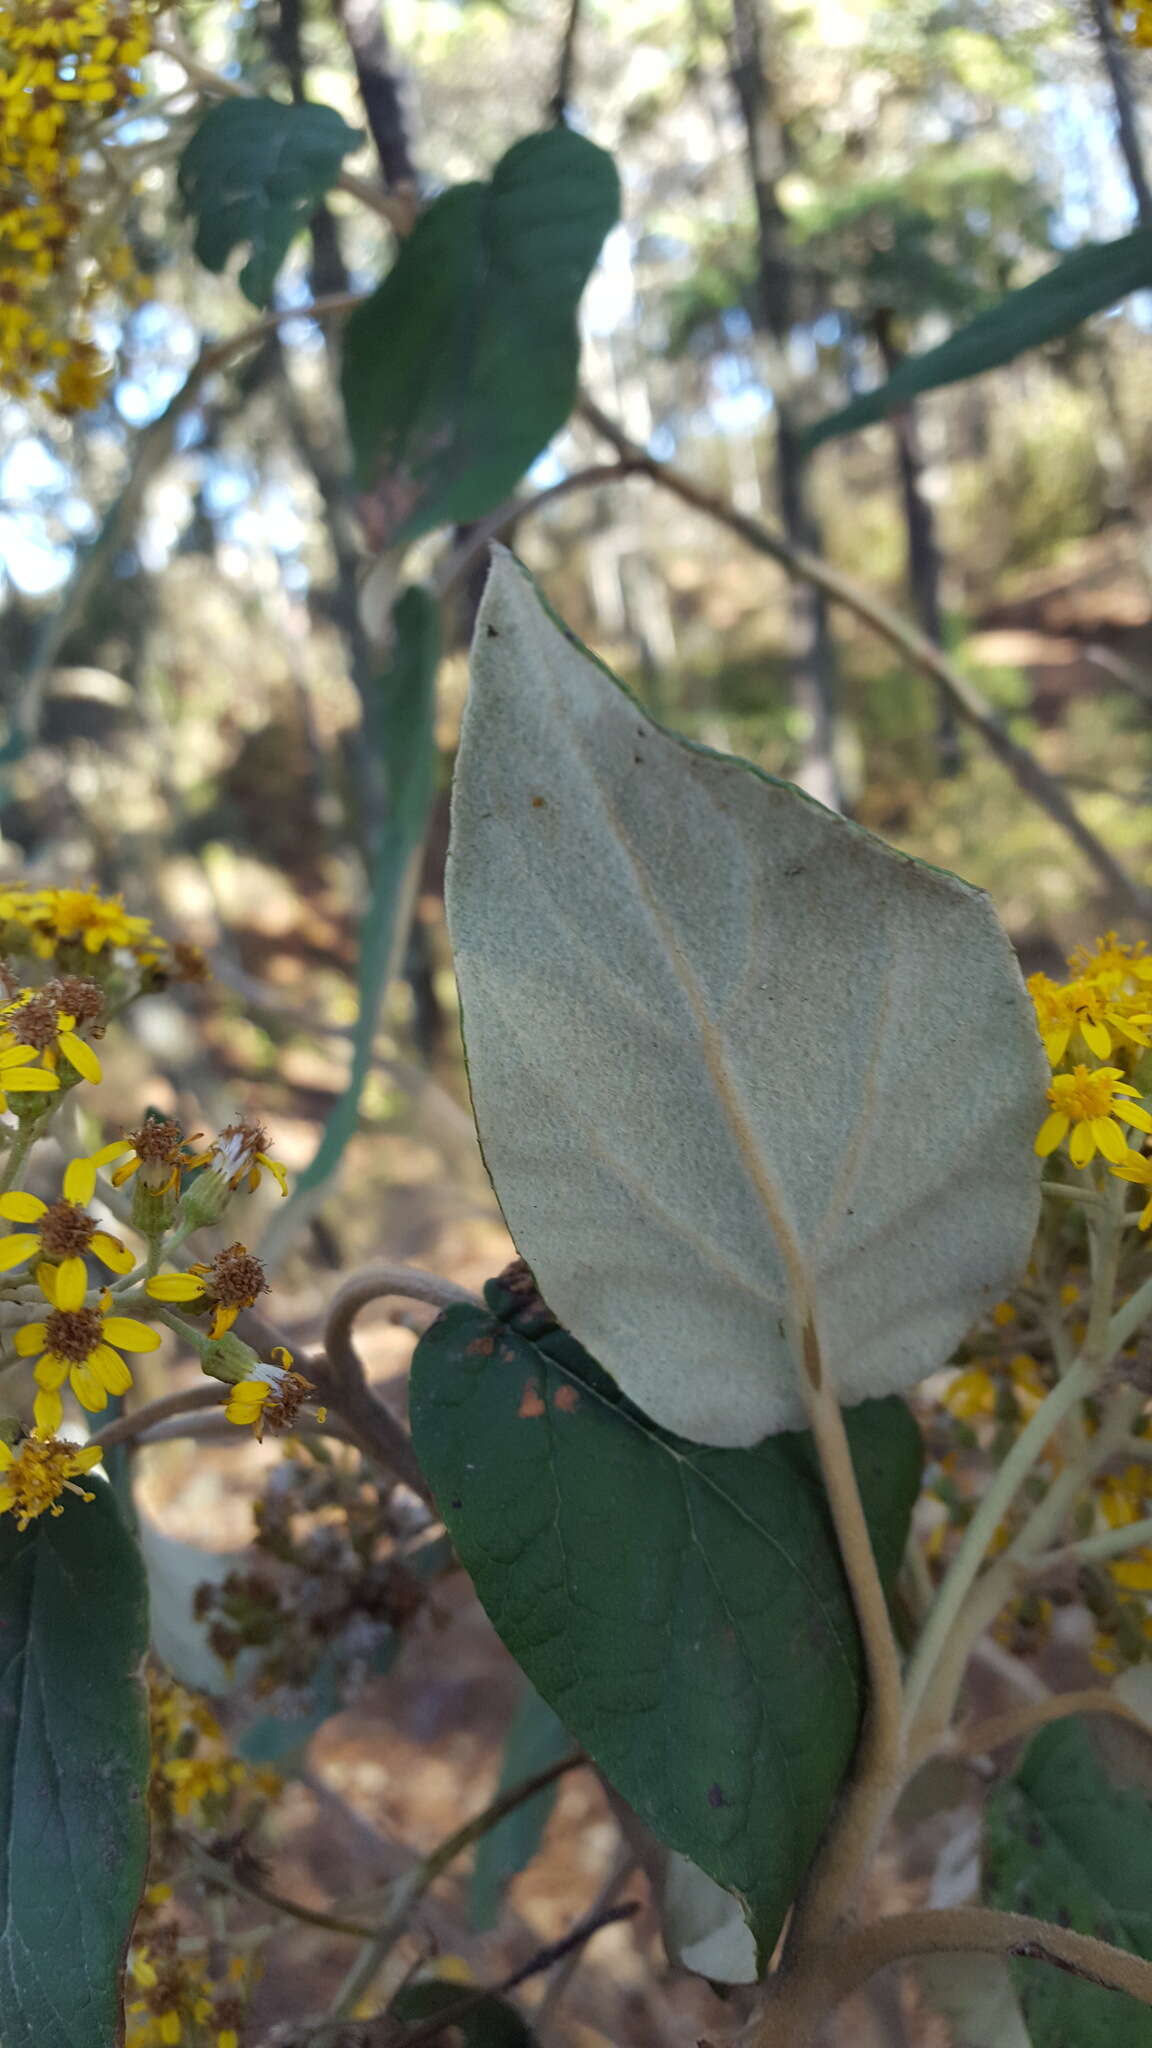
{"points": [[1101, 1014], [1085, 1103], [158, 1152], [64, 1233], [79, 1344], [19, 1076], [67, 916], [232, 1281], [1136, 1168], [38, 1471], [37, 1021], [240, 1153], [270, 1397]]}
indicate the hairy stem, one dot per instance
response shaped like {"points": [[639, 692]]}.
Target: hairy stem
{"points": [[796, 2006]]}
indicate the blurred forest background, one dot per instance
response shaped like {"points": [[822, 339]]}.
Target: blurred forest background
{"points": [[190, 625]]}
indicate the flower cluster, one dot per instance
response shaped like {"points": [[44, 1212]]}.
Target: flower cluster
{"points": [[86, 1303], [196, 1777], [173, 2000], [1095, 1029], [66, 68]]}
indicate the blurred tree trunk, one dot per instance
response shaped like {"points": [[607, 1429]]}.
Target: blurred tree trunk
{"points": [[1118, 71], [766, 143], [925, 563]]}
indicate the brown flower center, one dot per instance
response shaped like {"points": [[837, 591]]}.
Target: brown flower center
{"points": [[157, 1142], [36, 1022], [74, 1333], [235, 1278], [77, 997], [66, 1231], [285, 1401]]}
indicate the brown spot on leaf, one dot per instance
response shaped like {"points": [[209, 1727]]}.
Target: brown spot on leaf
{"points": [[538, 803], [566, 1398], [531, 1405], [480, 1347]]}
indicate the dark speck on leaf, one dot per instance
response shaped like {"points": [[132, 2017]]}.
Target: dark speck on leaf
{"points": [[716, 1796], [492, 632], [456, 1502]]}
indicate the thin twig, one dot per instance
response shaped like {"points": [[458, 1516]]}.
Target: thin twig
{"points": [[383, 2030], [605, 1899], [411, 1889], [216, 1871], [566, 67], [456, 565], [899, 632], [571, 1946]]}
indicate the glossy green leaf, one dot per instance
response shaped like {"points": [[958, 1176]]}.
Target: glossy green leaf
{"points": [[403, 729], [735, 1063], [682, 1609], [253, 174], [1085, 283], [1066, 1844], [462, 366], [490, 2023], [73, 1771], [536, 1739]]}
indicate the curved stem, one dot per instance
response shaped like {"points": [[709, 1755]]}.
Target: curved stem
{"points": [[189, 1401], [343, 1381], [795, 2008]]}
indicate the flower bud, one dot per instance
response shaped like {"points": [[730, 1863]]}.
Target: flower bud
{"points": [[228, 1358], [153, 1210]]}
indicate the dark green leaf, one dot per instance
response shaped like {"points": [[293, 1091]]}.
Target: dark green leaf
{"points": [[462, 366], [1064, 1843], [255, 172], [403, 731], [491, 2022], [73, 1772], [536, 1739], [1085, 283], [683, 1609]]}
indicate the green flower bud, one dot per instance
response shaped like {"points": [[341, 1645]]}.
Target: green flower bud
{"points": [[228, 1358]]}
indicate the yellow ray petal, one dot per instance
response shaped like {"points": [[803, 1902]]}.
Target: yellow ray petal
{"points": [[174, 1287], [113, 1254], [82, 1056], [15, 1249], [129, 1335], [48, 1408], [71, 1283]]}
